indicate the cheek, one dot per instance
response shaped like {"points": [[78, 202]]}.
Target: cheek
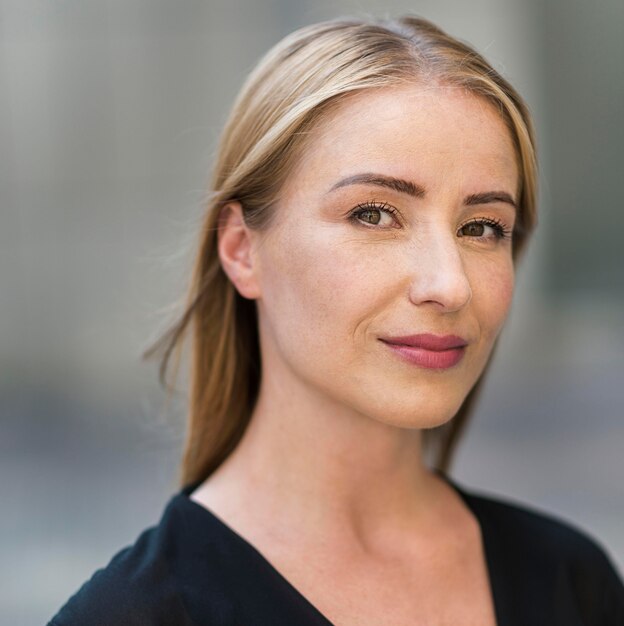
{"points": [[322, 288], [493, 290]]}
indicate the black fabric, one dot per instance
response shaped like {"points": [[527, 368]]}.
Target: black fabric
{"points": [[192, 569]]}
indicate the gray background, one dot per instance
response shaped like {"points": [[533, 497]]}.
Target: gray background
{"points": [[109, 113]]}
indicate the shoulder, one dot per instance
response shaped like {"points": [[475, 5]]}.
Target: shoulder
{"points": [[530, 528], [560, 562], [135, 588]]}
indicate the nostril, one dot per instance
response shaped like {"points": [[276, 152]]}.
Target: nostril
{"points": [[442, 281]]}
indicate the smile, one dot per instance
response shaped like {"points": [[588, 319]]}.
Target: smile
{"points": [[429, 359]]}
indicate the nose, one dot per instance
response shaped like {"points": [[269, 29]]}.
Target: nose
{"points": [[439, 276]]}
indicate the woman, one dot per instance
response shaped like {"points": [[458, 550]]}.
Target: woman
{"points": [[375, 185]]}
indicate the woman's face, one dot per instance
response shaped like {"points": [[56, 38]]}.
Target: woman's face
{"points": [[397, 222]]}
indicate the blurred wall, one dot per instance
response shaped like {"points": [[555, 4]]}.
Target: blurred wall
{"points": [[109, 113], [583, 91]]}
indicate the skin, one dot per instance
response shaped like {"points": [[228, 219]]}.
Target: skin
{"points": [[331, 460]]}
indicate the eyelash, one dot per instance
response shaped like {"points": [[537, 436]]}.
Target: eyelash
{"points": [[372, 206], [501, 231]]}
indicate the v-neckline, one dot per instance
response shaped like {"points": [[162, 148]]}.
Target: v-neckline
{"points": [[488, 549]]}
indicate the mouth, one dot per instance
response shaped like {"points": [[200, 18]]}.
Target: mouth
{"points": [[427, 350]]}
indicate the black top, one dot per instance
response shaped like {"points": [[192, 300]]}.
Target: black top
{"points": [[192, 569]]}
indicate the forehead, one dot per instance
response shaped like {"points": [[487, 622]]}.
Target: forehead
{"points": [[413, 132]]}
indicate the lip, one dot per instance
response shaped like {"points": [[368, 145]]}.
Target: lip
{"points": [[428, 341], [427, 350]]}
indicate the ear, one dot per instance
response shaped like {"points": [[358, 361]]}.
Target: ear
{"points": [[235, 250]]}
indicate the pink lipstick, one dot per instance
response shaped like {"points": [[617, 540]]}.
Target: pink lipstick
{"points": [[427, 350]]}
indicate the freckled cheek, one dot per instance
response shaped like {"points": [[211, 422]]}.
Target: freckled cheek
{"points": [[492, 295], [327, 288]]}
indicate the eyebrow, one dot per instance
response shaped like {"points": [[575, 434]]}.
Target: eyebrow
{"points": [[379, 180], [490, 196], [412, 189]]}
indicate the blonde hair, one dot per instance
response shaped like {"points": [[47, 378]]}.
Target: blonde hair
{"points": [[290, 91]]}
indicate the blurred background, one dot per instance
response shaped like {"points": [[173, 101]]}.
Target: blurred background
{"points": [[109, 115]]}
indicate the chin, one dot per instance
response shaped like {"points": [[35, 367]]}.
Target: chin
{"points": [[420, 422], [424, 413]]}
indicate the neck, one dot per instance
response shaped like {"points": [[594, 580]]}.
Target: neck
{"points": [[325, 470]]}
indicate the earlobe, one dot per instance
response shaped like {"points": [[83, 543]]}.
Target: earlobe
{"points": [[235, 250]]}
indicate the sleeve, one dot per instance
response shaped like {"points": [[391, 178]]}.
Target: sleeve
{"points": [[613, 595], [134, 589], [592, 585]]}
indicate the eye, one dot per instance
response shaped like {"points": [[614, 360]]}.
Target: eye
{"points": [[372, 214], [483, 229]]}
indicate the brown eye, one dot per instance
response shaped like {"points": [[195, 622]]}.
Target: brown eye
{"points": [[473, 230], [484, 229], [372, 216]]}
